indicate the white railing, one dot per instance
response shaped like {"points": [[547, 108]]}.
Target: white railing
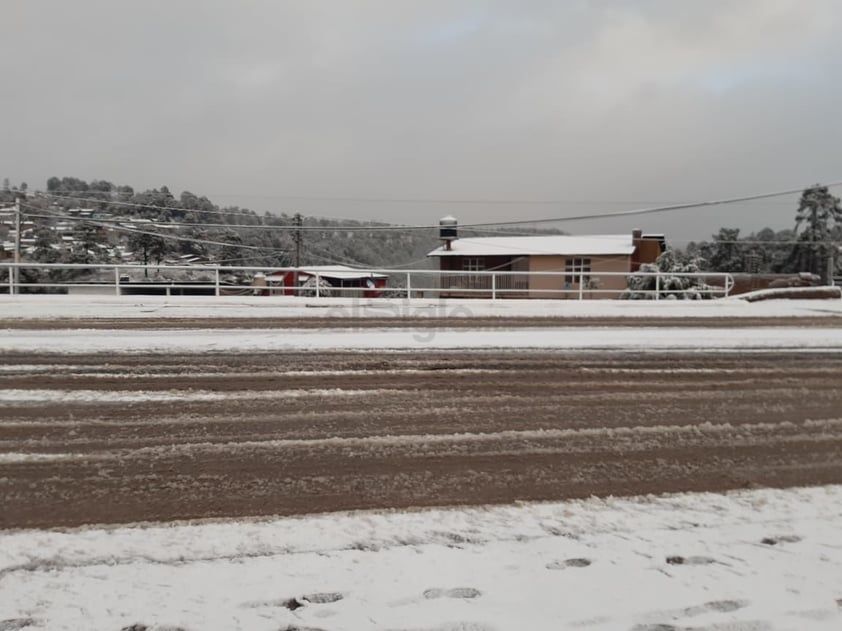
{"points": [[238, 280]]}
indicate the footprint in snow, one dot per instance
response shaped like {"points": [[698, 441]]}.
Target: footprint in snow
{"points": [[773, 541], [722, 606], [560, 565], [454, 626], [653, 619], [694, 560], [296, 602], [455, 592], [322, 598], [13, 624]]}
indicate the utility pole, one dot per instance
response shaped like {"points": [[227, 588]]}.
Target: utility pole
{"points": [[297, 237], [16, 270]]}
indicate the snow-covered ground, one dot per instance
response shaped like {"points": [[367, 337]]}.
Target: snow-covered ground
{"points": [[156, 307], [570, 338], [743, 561], [557, 337], [748, 560]]}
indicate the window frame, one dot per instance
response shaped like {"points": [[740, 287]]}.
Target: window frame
{"points": [[576, 268], [473, 263]]}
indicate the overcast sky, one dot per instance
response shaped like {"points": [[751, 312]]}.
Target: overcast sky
{"points": [[599, 106]]}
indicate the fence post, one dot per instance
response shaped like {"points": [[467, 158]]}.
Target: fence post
{"points": [[216, 282], [318, 282], [581, 284], [117, 290], [494, 286], [657, 285], [409, 285], [11, 281]]}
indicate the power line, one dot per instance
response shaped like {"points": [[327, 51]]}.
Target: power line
{"points": [[514, 233], [661, 209], [262, 225], [755, 242], [294, 227], [445, 200], [194, 240], [157, 234], [286, 228], [427, 200], [239, 258], [113, 202], [621, 213], [325, 255], [181, 224]]}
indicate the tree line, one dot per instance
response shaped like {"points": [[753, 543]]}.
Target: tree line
{"points": [[232, 235], [811, 246], [228, 235]]}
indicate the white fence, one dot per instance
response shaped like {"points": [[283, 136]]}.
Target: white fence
{"points": [[324, 282]]}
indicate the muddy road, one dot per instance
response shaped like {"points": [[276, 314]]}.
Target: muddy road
{"points": [[133, 437]]}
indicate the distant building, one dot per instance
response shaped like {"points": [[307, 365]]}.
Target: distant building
{"points": [[573, 258], [340, 280]]}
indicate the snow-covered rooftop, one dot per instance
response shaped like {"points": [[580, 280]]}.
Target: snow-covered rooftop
{"points": [[595, 245], [339, 272]]}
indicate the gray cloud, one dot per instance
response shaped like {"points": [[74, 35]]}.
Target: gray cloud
{"points": [[604, 106]]}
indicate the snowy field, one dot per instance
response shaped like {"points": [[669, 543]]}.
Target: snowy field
{"points": [[146, 307], [742, 561], [74, 341], [162, 340], [197, 339], [752, 560]]}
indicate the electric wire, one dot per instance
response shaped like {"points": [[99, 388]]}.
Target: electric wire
{"points": [[581, 217], [158, 234]]}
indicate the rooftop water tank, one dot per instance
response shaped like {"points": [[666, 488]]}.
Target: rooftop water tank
{"points": [[447, 228]]}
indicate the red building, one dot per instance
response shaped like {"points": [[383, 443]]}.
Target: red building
{"points": [[334, 280]]}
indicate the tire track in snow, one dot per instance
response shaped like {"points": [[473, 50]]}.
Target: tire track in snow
{"points": [[138, 437]]}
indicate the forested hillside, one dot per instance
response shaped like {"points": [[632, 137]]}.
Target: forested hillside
{"points": [[115, 222]]}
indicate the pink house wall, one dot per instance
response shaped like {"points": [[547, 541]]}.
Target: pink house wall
{"points": [[538, 285]]}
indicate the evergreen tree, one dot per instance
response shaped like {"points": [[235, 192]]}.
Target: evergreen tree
{"points": [[725, 253], [817, 215], [149, 246]]}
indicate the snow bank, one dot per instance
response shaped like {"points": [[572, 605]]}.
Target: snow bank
{"points": [[157, 307], [759, 559], [787, 293], [578, 338]]}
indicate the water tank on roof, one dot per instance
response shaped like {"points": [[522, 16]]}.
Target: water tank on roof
{"points": [[447, 228]]}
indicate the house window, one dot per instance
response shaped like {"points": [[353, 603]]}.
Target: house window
{"points": [[573, 268], [472, 264]]}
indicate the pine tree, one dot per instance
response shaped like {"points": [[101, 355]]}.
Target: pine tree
{"points": [[818, 213]]}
